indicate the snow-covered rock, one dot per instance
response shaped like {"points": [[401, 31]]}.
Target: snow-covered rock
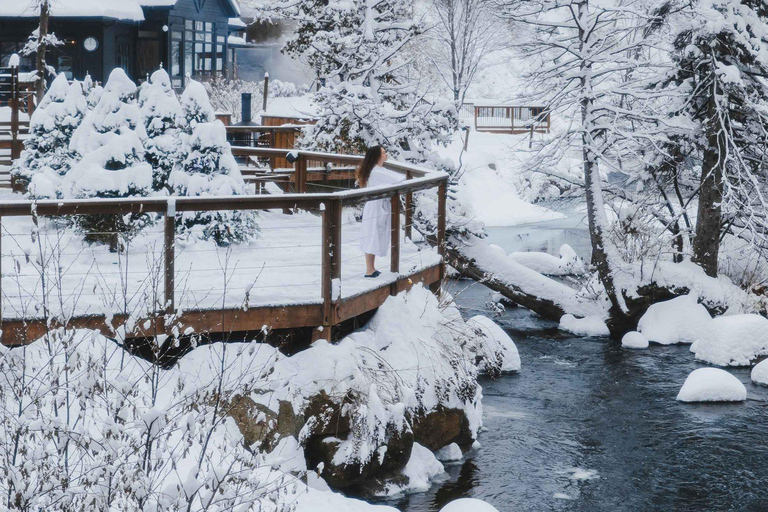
{"points": [[712, 385], [587, 326], [568, 263], [468, 505], [680, 320], [421, 468], [634, 339], [735, 340], [450, 453], [760, 373], [496, 349]]}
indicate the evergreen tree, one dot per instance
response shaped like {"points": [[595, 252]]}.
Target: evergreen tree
{"points": [[720, 69], [160, 111], [110, 145], [206, 167], [47, 156]]}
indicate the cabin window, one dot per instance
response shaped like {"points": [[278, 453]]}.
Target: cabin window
{"points": [[203, 47], [219, 54], [7, 49]]}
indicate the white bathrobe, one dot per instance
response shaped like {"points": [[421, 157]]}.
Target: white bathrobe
{"points": [[377, 214]]}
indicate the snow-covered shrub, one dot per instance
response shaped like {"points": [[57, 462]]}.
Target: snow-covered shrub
{"points": [[92, 91], [497, 352], [86, 426], [110, 145], [47, 155], [160, 111], [206, 167]]}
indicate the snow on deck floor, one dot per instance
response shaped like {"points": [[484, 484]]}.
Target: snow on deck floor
{"points": [[281, 267]]}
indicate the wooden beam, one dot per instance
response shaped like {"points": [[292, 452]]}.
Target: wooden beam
{"points": [[394, 265], [169, 246]]}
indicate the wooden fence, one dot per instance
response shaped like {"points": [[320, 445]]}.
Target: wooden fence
{"points": [[20, 98], [323, 316]]}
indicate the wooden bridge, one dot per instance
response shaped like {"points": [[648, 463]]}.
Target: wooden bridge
{"points": [[322, 303], [507, 118]]}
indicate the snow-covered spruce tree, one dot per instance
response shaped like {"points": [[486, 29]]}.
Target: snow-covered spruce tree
{"points": [[369, 98], [579, 53], [160, 111], [92, 91], [47, 156], [110, 145], [720, 68], [206, 167]]}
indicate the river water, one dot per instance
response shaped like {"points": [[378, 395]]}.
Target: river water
{"points": [[589, 426]]}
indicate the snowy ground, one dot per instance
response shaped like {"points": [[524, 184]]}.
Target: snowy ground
{"points": [[282, 266]]}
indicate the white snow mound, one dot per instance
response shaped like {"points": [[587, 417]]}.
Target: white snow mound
{"points": [[634, 339], [450, 453], [680, 320], [735, 340], [587, 326], [760, 373], [712, 385], [496, 343], [568, 263], [468, 505]]}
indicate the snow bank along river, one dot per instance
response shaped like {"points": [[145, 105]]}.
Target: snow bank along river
{"points": [[590, 426]]}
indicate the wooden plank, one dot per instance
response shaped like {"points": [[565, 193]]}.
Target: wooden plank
{"points": [[169, 257], [408, 209], [351, 307]]}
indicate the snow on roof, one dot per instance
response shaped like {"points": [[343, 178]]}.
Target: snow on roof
{"points": [[170, 3], [237, 22], [122, 10], [238, 42], [299, 107]]}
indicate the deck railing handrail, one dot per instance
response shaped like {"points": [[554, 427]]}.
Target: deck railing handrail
{"points": [[329, 204]]}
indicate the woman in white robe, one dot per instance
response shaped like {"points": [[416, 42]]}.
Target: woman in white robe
{"points": [[377, 214]]}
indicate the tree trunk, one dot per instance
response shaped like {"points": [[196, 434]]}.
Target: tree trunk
{"points": [[41, 50], [596, 216], [706, 244]]}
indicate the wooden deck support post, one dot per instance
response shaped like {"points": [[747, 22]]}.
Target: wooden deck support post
{"points": [[442, 197], [394, 265], [331, 267], [169, 246], [408, 209], [15, 106]]}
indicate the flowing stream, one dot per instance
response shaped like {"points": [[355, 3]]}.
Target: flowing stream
{"points": [[589, 426]]}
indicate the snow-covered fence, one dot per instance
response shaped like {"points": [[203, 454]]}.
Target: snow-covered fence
{"points": [[167, 308], [16, 106]]}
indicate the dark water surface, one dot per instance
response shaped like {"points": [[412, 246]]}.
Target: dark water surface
{"points": [[589, 426]]}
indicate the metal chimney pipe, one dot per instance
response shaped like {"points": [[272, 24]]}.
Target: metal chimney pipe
{"points": [[246, 102]]}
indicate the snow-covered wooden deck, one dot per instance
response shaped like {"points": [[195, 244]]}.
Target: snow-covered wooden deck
{"points": [[303, 269]]}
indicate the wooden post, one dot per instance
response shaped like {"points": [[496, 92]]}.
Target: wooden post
{"points": [[408, 208], [266, 92], [476, 117], [169, 244], [442, 197], [394, 265], [331, 266], [466, 137], [300, 172], [15, 106]]}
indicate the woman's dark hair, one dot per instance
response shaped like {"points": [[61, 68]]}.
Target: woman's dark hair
{"points": [[372, 157]]}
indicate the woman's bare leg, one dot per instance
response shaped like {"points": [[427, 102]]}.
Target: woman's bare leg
{"points": [[370, 264]]}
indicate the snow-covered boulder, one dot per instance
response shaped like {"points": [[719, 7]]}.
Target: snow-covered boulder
{"points": [[759, 373], [712, 385], [468, 505], [587, 326], [735, 340], [680, 320], [568, 263], [496, 350], [450, 453], [634, 339]]}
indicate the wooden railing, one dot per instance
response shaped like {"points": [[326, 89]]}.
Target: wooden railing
{"points": [[19, 97], [507, 118], [328, 204]]}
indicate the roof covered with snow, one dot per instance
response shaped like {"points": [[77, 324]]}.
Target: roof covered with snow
{"points": [[170, 3], [299, 107], [237, 22], [120, 10]]}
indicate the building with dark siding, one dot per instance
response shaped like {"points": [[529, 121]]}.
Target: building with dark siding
{"points": [[187, 37]]}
